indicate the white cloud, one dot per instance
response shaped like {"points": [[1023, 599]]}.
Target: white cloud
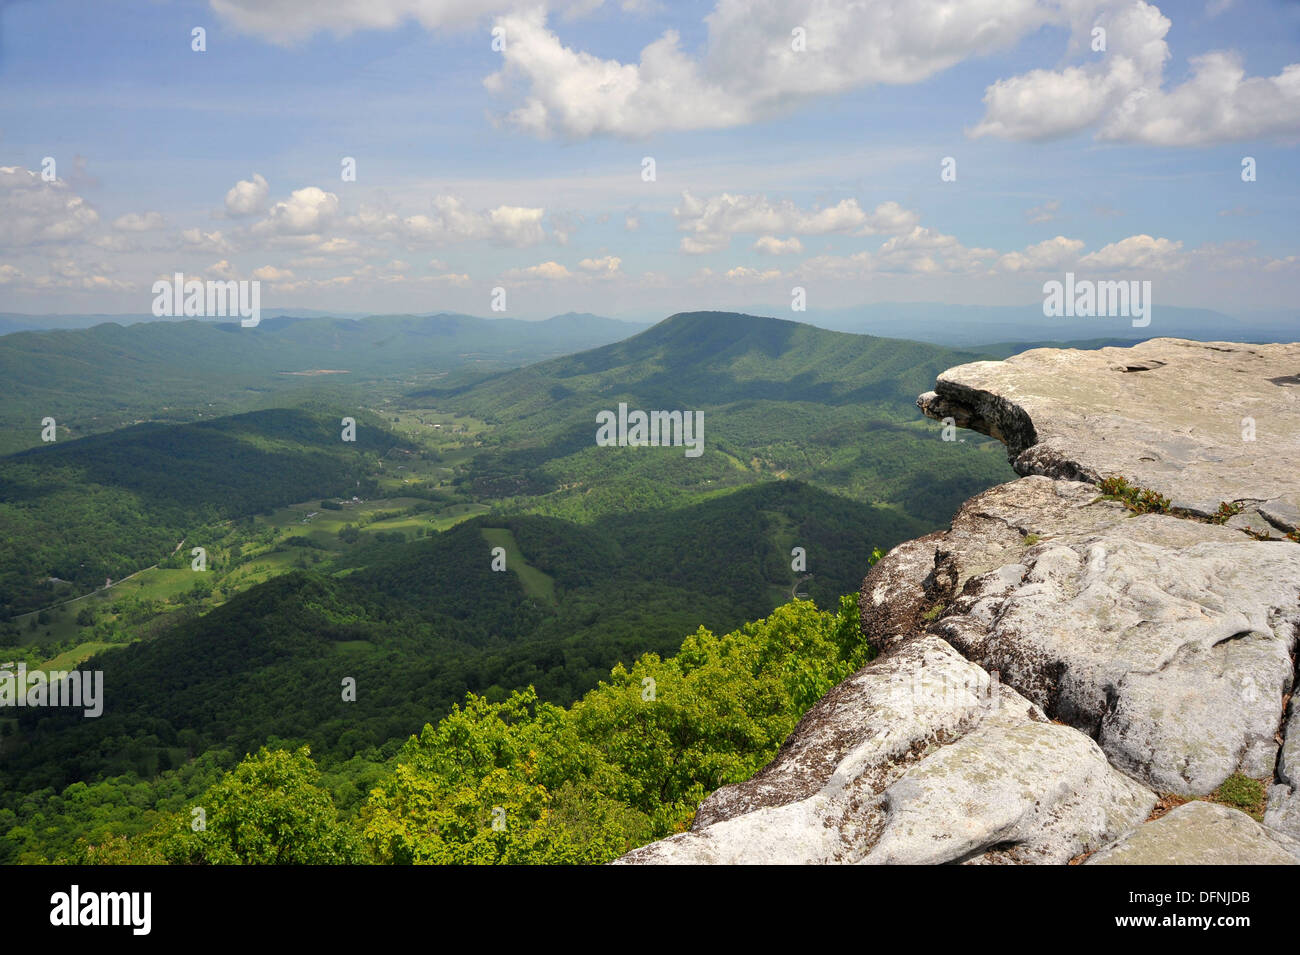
{"points": [[921, 251], [1121, 92], [9, 273], [928, 251], [771, 245], [605, 265], [114, 243], [248, 198], [305, 212], [549, 271], [1219, 104], [452, 221], [711, 222], [288, 21], [1043, 213], [140, 222], [1137, 252], [1044, 256], [74, 276], [744, 273], [269, 273], [748, 69], [206, 241], [34, 211], [222, 270]]}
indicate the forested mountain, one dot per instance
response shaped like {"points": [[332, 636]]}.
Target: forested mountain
{"points": [[813, 458], [419, 623], [780, 399], [101, 378], [107, 505]]}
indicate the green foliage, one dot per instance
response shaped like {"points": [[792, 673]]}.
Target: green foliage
{"points": [[780, 399], [626, 764], [110, 376], [109, 505], [1227, 510], [623, 549], [1136, 499], [270, 810]]}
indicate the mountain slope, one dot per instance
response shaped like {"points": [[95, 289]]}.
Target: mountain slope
{"points": [[110, 504], [104, 377], [418, 624], [780, 400]]}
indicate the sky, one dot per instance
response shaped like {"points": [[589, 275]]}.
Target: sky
{"points": [[640, 158]]}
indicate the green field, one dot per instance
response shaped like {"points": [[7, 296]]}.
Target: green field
{"points": [[536, 584]]}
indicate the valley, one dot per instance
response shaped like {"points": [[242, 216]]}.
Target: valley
{"points": [[372, 560]]}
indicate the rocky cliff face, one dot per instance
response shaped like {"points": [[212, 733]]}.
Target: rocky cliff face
{"points": [[1056, 665]]}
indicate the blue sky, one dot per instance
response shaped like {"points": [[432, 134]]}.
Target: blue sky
{"points": [[522, 169]]}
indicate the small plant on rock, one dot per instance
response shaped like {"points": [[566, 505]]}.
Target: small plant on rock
{"points": [[1139, 500], [1227, 511]]}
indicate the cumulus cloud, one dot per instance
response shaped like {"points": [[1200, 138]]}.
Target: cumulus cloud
{"points": [[1121, 92], [139, 222], [605, 265], [711, 222], [452, 221], [75, 276], [206, 241], [771, 245], [1218, 104], [749, 68], [547, 271], [920, 251], [114, 243], [305, 212], [289, 21], [269, 273], [928, 251], [1044, 256], [35, 211], [744, 273], [248, 197], [1137, 252]]}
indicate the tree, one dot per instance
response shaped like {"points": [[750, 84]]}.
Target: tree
{"points": [[268, 810]]}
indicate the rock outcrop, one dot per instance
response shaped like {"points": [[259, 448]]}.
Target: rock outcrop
{"points": [[1188, 419], [1054, 661], [1201, 833], [920, 758]]}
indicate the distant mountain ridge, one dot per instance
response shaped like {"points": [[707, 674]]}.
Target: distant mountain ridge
{"points": [[97, 378], [11, 322], [967, 325]]}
